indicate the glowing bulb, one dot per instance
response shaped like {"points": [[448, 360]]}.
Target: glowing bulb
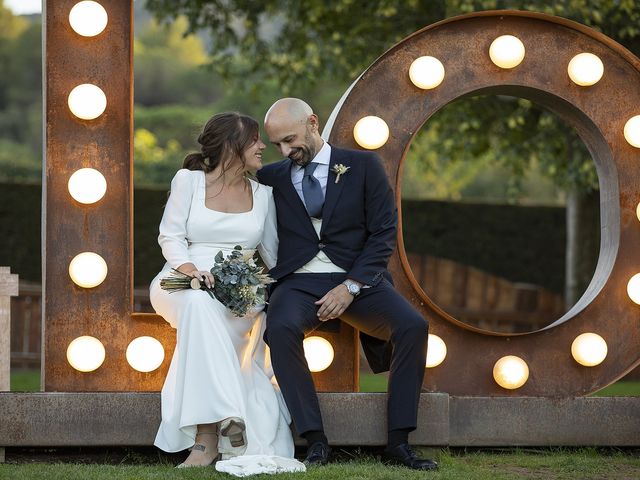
{"points": [[87, 185], [87, 101], [589, 349], [145, 354], [638, 211], [371, 132], [318, 352], [436, 351], [632, 131], [85, 354], [426, 72], [507, 51], [510, 372], [633, 288], [585, 69], [88, 18], [88, 269]]}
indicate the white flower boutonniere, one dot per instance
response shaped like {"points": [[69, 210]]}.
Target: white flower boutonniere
{"points": [[339, 169]]}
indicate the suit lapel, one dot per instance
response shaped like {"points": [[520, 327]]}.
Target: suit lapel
{"points": [[292, 197], [333, 189]]}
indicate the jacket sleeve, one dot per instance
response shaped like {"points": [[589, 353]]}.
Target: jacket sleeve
{"points": [[173, 226], [268, 247], [381, 217]]}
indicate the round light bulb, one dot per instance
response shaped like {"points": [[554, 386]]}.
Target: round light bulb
{"points": [[85, 354], [585, 69], [638, 211], [633, 288], [589, 349], [88, 269], [88, 18], [510, 372], [87, 101], [436, 351], [371, 132], [426, 72], [507, 51], [145, 354], [318, 352], [87, 185], [632, 131]]}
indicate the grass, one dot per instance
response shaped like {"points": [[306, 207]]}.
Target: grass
{"points": [[29, 381], [363, 465]]}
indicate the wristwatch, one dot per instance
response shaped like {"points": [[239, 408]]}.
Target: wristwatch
{"points": [[352, 287]]}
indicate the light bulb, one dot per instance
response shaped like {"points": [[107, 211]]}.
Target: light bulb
{"points": [[318, 352], [589, 349], [633, 288], [88, 269], [426, 72], [85, 354], [585, 69], [371, 132], [87, 101], [510, 372], [88, 18], [436, 351], [507, 51], [145, 354], [87, 185], [632, 131]]}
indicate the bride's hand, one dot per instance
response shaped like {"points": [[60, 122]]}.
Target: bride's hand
{"points": [[204, 276]]}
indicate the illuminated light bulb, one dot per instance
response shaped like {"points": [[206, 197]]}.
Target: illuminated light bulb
{"points": [[585, 69], [87, 101], [632, 131], [145, 354], [426, 72], [633, 288], [589, 349], [318, 352], [510, 372], [371, 132], [638, 211], [88, 18], [88, 269], [436, 351], [87, 185], [507, 51], [85, 354]]}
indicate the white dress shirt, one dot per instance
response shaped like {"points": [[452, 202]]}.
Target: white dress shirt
{"points": [[320, 263]]}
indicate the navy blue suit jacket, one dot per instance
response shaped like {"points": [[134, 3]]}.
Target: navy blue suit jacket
{"points": [[359, 218], [359, 224]]}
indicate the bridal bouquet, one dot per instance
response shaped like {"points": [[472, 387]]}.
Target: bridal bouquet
{"points": [[239, 281]]}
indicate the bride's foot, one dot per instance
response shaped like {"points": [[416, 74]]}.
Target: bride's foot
{"points": [[204, 452], [233, 428]]}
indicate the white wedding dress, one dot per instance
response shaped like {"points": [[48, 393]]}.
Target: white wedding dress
{"points": [[221, 366]]}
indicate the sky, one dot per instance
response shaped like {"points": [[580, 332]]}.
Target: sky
{"points": [[24, 6]]}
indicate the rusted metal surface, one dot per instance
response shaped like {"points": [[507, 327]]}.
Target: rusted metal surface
{"points": [[69, 228], [598, 113]]}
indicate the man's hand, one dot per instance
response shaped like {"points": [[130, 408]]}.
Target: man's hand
{"points": [[334, 303]]}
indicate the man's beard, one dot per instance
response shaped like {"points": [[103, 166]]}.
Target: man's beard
{"points": [[303, 155]]}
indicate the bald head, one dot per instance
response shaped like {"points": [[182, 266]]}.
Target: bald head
{"points": [[293, 128], [288, 109]]}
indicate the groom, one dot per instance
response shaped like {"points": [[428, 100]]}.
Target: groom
{"points": [[337, 225]]}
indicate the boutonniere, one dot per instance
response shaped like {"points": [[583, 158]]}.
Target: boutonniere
{"points": [[340, 169]]}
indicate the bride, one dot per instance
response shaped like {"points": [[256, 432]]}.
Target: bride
{"points": [[218, 398]]}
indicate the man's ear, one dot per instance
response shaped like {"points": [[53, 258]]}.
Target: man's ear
{"points": [[313, 122]]}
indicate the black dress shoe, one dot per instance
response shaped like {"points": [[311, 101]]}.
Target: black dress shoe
{"points": [[317, 454], [404, 456]]}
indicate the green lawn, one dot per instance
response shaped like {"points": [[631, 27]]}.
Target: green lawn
{"points": [[29, 381], [459, 465]]}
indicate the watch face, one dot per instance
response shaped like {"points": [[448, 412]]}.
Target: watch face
{"points": [[353, 289]]}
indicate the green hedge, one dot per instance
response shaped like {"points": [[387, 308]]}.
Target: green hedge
{"points": [[525, 244]]}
